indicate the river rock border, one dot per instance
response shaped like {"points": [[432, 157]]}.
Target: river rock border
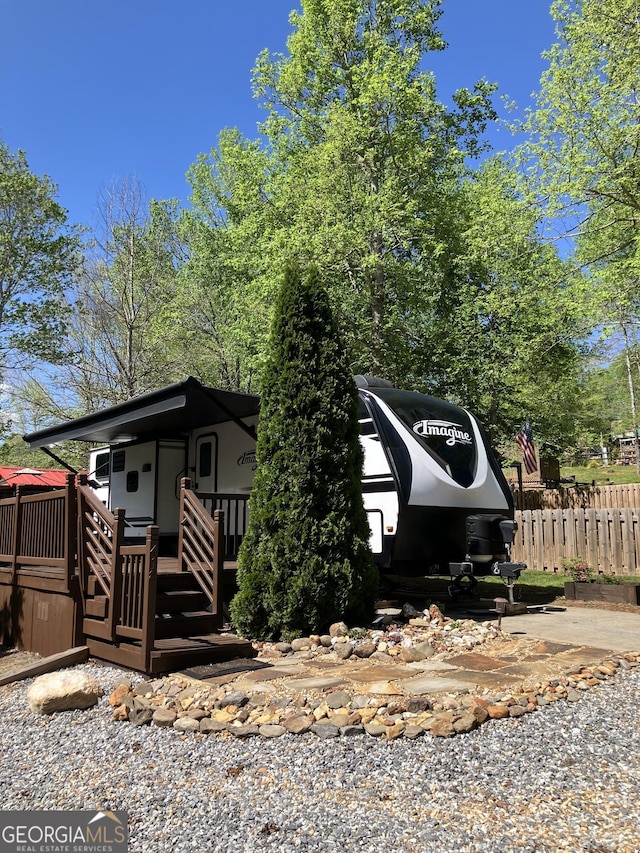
{"points": [[202, 708]]}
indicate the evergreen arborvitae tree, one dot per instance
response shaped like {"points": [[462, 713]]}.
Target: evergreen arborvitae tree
{"points": [[305, 561]]}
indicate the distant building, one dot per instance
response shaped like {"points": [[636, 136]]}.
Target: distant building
{"points": [[30, 480]]}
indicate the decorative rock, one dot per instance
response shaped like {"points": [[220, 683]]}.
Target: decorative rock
{"points": [[338, 629], [249, 730], [343, 650], [410, 654], [325, 730], [118, 694], [364, 650], [120, 714], [298, 725], [63, 691], [411, 732], [338, 699], [442, 728], [164, 717], [271, 730], [140, 717], [236, 697], [350, 730], [301, 644], [187, 724], [207, 725], [498, 712], [464, 724]]}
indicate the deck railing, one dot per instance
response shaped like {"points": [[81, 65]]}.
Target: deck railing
{"points": [[37, 532], [236, 518], [121, 577], [199, 545]]}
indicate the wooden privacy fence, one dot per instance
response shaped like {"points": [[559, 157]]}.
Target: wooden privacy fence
{"points": [[608, 539], [580, 497], [38, 532]]}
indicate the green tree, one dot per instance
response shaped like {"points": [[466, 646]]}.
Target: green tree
{"points": [[359, 171], [581, 157], [38, 254], [122, 339], [305, 561]]}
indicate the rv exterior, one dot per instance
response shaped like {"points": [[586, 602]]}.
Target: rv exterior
{"points": [[432, 489]]}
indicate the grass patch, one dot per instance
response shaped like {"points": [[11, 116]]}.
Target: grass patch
{"points": [[532, 588], [607, 475]]}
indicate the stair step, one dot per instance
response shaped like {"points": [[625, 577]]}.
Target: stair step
{"points": [[175, 581], [181, 601], [185, 624], [96, 607]]}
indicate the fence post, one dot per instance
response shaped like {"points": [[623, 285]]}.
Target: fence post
{"points": [[17, 534]]}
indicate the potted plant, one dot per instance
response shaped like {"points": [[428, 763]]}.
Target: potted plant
{"points": [[587, 585]]}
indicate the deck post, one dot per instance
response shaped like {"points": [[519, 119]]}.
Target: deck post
{"points": [[185, 484], [115, 611], [71, 527], [218, 562], [149, 593]]}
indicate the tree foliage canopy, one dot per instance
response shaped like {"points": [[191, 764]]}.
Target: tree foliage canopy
{"points": [[38, 254]]}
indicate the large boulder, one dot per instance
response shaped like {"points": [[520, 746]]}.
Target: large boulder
{"points": [[63, 691]]}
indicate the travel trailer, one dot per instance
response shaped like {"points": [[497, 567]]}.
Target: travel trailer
{"points": [[436, 499]]}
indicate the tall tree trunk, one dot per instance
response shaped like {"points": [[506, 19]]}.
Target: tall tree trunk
{"points": [[632, 396]]}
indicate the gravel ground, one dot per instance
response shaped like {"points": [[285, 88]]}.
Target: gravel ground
{"points": [[562, 780]]}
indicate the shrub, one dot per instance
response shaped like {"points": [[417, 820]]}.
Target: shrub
{"points": [[305, 561], [578, 569]]}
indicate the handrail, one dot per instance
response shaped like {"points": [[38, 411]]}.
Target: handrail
{"points": [[236, 513], [199, 545]]}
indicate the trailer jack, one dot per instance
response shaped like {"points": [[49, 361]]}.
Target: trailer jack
{"points": [[510, 574]]}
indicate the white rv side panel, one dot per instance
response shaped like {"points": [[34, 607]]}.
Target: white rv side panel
{"points": [[171, 469], [133, 485], [233, 458]]}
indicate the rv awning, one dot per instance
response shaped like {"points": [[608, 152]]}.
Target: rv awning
{"points": [[167, 413]]}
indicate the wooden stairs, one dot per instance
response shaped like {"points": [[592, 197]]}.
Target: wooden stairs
{"points": [[186, 633], [150, 613]]}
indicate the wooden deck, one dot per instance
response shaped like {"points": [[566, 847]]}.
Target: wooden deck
{"points": [[69, 578]]}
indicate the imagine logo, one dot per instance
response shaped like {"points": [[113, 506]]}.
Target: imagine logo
{"points": [[453, 433], [63, 832], [248, 458]]}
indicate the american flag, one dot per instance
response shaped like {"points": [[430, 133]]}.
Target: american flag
{"points": [[525, 442]]}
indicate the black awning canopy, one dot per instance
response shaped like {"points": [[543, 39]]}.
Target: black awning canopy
{"points": [[170, 412]]}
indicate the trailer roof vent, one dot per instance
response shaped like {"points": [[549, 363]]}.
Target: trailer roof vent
{"points": [[372, 382]]}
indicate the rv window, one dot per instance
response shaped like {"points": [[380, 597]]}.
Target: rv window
{"points": [[118, 461], [367, 427], [102, 466], [204, 469], [132, 481], [444, 429]]}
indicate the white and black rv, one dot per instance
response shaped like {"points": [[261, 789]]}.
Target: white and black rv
{"points": [[434, 494]]}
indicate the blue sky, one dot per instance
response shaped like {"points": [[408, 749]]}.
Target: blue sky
{"points": [[95, 92]]}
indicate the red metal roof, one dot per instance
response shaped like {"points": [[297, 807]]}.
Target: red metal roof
{"points": [[11, 476]]}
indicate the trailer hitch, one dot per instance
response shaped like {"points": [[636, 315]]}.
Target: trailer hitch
{"points": [[463, 581]]}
